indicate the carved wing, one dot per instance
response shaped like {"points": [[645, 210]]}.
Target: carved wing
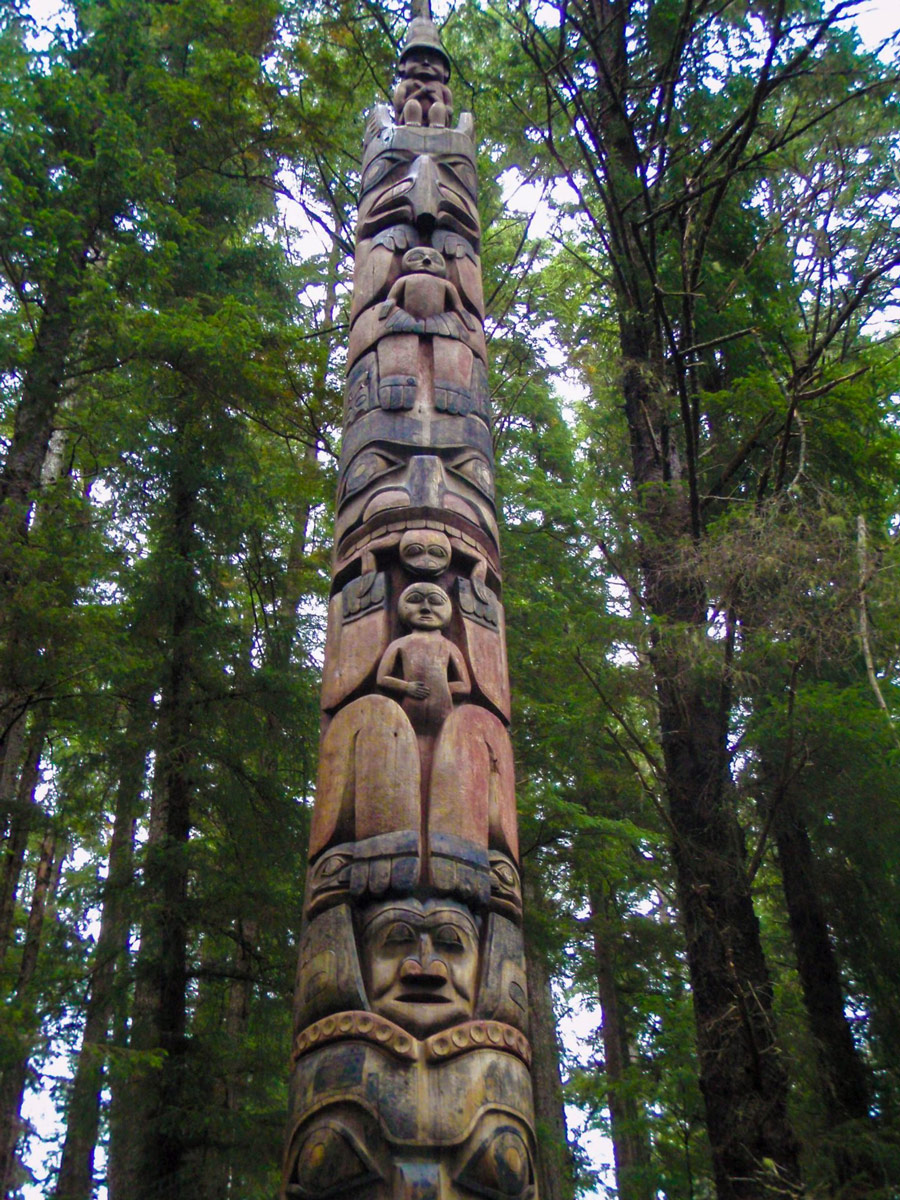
{"points": [[356, 639], [485, 643]]}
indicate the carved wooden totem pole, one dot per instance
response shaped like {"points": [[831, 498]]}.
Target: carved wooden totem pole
{"points": [[410, 1069]]}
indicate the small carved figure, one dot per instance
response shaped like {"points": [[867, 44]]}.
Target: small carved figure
{"points": [[422, 551], [425, 551], [424, 667], [420, 963], [423, 291], [422, 96]]}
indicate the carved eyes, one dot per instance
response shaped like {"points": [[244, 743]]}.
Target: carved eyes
{"points": [[431, 599], [464, 172], [369, 464], [382, 166], [333, 864], [447, 937], [500, 1168], [330, 1161], [400, 934], [504, 874], [455, 165], [367, 467], [477, 471], [424, 259], [416, 550]]}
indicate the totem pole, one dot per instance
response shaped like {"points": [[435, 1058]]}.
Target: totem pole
{"points": [[410, 1074]]}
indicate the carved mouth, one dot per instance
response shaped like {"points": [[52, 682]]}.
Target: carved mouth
{"points": [[422, 998]]}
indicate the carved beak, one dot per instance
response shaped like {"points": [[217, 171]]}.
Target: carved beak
{"points": [[416, 1181], [424, 197]]}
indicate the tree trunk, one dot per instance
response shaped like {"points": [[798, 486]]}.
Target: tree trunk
{"points": [[22, 815], [846, 1090], [12, 1084], [12, 738], [76, 1172], [555, 1168], [215, 1174], [42, 392], [631, 1148], [741, 1074], [117, 1159], [155, 1135]]}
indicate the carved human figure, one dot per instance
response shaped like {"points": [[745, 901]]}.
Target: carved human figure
{"points": [[379, 258], [423, 291], [422, 96], [420, 963], [424, 667]]}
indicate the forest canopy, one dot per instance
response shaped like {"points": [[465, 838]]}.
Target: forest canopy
{"points": [[691, 216]]}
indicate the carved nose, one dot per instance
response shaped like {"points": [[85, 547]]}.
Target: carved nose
{"points": [[417, 1181], [424, 196], [432, 974], [426, 481]]}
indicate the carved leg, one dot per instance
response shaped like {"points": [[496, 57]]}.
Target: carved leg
{"points": [[369, 775]]}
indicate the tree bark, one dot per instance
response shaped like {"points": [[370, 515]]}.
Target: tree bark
{"points": [[555, 1168], [631, 1148], [215, 1172], [76, 1172], [152, 1138], [742, 1079], [12, 1084], [42, 390], [22, 815], [12, 738], [846, 1087]]}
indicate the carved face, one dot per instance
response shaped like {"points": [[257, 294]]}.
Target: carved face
{"points": [[402, 185], [425, 606], [425, 551], [422, 63], [420, 963], [389, 476], [424, 260]]}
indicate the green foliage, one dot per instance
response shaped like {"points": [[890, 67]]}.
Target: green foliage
{"points": [[152, 160]]}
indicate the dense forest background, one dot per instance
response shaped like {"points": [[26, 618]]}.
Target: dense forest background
{"points": [[692, 264]]}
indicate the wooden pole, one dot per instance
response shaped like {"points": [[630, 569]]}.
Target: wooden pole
{"points": [[411, 1053]]}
